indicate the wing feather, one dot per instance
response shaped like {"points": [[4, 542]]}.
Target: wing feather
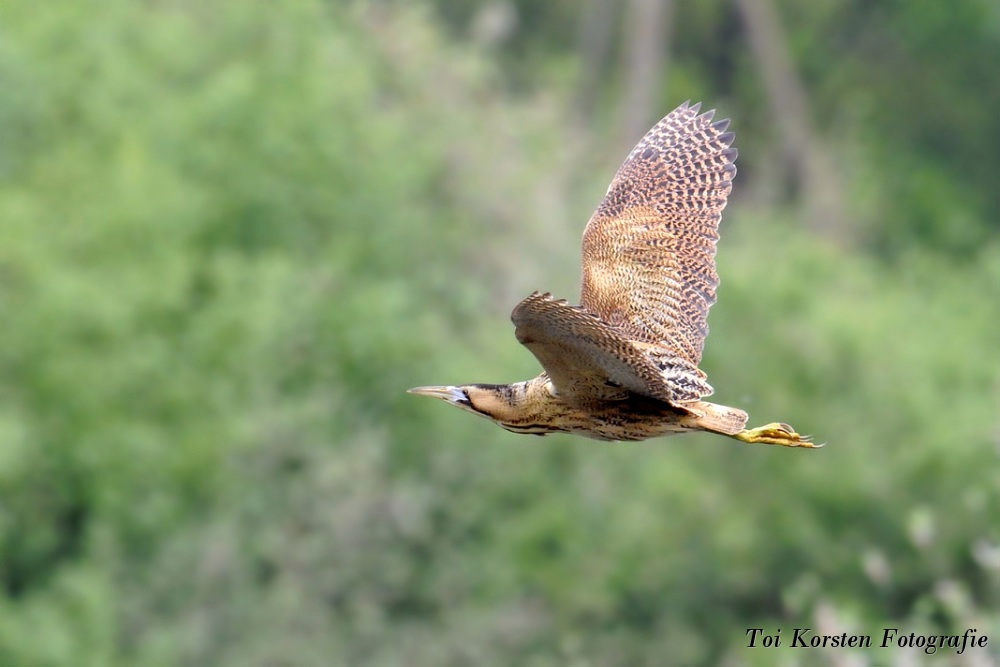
{"points": [[649, 249], [587, 360]]}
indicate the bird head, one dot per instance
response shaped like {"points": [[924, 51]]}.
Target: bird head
{"points": [[485, 400], [523, 407]]}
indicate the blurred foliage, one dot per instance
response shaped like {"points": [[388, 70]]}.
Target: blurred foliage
{"points": [[881, 75], [235, 233]]}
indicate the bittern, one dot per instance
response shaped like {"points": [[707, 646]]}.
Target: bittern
{"points": [[623, 365]]}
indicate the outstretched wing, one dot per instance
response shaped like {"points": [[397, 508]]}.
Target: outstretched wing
{"points": [[649, 249], [588, 360]]}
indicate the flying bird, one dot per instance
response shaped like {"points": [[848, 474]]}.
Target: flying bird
{"points": [[623, 365]]}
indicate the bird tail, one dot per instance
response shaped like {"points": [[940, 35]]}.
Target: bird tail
{"points": [[717, 418]]}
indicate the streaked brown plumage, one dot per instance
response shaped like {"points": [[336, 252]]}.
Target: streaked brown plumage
{"points": [[623, 365]]}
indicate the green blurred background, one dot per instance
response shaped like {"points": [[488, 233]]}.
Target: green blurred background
{"points": [[233, 234]]}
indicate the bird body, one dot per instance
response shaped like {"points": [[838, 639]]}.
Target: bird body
{"points": [[623, 365], [535, 408]]}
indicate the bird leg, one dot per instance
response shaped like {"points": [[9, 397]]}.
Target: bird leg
{"points": [[775, 434]]}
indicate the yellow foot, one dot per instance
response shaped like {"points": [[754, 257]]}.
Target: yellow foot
{"points": [[776, 434]]}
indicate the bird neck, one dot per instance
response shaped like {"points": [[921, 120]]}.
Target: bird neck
{"points": [[522, 407]]}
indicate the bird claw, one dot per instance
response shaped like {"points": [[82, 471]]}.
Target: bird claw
{"points": [[776, 434]]}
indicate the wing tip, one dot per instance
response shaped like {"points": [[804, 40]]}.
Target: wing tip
{"points": [[721, 125]]}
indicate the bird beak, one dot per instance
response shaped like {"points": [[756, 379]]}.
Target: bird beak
{"points": [[450, 394]]}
